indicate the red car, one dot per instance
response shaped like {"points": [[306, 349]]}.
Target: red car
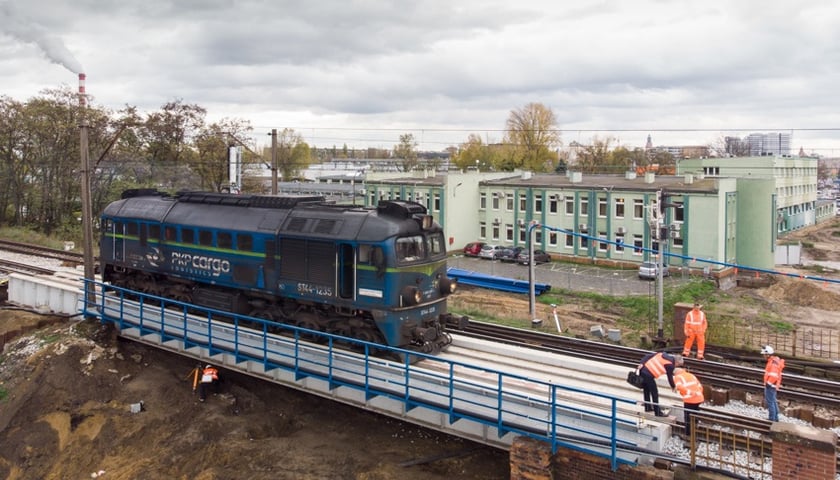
{"points": [[472, 249]]}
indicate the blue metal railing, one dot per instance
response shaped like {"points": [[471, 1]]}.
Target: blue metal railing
{"points": [[508, 402]]}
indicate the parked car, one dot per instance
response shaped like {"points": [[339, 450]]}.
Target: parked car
{"points": [[471, 249], [539, 257], [648, 270], [490, 252], [509, 254]]}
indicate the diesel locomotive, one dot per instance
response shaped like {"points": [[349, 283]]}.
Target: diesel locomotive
{"points": [[375, 274]]}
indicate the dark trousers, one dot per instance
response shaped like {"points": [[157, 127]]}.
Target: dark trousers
{"points": [[204, 387], [651, 392], [690, 409]]}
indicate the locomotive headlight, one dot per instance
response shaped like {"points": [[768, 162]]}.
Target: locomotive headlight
{"points": [[448, 285], [411, 295]]}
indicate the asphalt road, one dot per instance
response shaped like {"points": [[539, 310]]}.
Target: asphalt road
{"points": [[584, 278]]}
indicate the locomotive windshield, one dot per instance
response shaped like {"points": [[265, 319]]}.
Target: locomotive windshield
{"points": [[419, 247]]}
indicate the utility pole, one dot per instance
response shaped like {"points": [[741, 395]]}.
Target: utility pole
{"points": [[274, 161], [532, 300], [87, 208]]}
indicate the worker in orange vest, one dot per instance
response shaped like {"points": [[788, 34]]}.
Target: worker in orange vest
{"points": [[691, 392], [653, 366], [695, 329], [209, 378], [772, 381]]}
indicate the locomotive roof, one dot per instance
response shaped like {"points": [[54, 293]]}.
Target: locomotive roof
{"points": [[294, 216]]}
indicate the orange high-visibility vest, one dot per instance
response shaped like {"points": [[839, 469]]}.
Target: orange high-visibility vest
{"points": [[695, 322], [656, 365], [773, 371], [209, 375], [689, 387]]}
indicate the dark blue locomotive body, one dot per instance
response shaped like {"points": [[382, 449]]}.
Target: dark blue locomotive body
{"points": [[377, 274]]}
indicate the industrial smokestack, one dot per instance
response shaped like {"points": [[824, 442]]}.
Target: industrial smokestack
{"points": [[82, 78]]}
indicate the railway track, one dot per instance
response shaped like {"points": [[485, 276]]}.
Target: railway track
{"points": [[39, 251], [8, 266], [801, 389]]}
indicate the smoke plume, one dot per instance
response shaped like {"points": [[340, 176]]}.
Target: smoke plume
{"points": [[28, 31]]}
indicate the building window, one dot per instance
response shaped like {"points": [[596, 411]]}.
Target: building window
{"points": [[552, 204], [482, 201], [496, 231], [679, 212], [638, 209], [538, 236], [523, 203], [495, 201], [619, 208], [602, 207], [619, 243], [638, 244], [509, 202], [570, 241], [584, 241], [482, 229], [522, 233], [602, 245], [508, 232], [538, 203], [552, 238], [584, 206], [437, 202], [570, 205]]}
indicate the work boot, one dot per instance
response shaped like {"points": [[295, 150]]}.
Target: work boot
{"points": [[685, 354]]}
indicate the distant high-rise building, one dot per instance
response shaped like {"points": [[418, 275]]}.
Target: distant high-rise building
{"points": [[761, 144]]}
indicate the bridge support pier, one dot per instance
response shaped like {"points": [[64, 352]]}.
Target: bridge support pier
{"points": [[802, 452]]}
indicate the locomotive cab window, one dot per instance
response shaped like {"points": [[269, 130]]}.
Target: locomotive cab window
{"points": [[131, 228], [411, 249], [436, 245]]}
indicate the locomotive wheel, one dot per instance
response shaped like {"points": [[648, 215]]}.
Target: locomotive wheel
{"points": [[309, 321], [181, 294]]}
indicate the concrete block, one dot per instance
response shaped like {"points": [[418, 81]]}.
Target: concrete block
{"points": [[597, 330], [614, 334]]}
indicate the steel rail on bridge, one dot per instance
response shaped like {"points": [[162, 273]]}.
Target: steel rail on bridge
{"points": [[484, 410]]}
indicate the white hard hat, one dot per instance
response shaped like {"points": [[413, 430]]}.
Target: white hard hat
{"points": [[767, 350], [209, 366]]}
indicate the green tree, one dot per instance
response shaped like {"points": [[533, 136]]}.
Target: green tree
{"points": [[593, 157], [293, 154], [166, 136], [213, 142], [406, 152], [532, 130]]}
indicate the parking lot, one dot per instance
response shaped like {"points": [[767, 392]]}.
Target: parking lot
{"points": [[585, 278]]}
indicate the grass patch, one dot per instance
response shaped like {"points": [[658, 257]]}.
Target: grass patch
{"points": [[17, 234], [3, 394]]}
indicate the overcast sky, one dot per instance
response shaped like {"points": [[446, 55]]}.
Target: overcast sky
{"points": [[363, 72]]}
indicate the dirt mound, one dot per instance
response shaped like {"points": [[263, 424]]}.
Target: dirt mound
{"points": [[803, 293], [67, 413]]}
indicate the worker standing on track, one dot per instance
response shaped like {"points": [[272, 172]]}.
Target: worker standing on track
{"points": [[695, 329], [209, 378], [653, 366], [772, 381], [691, 391]]}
